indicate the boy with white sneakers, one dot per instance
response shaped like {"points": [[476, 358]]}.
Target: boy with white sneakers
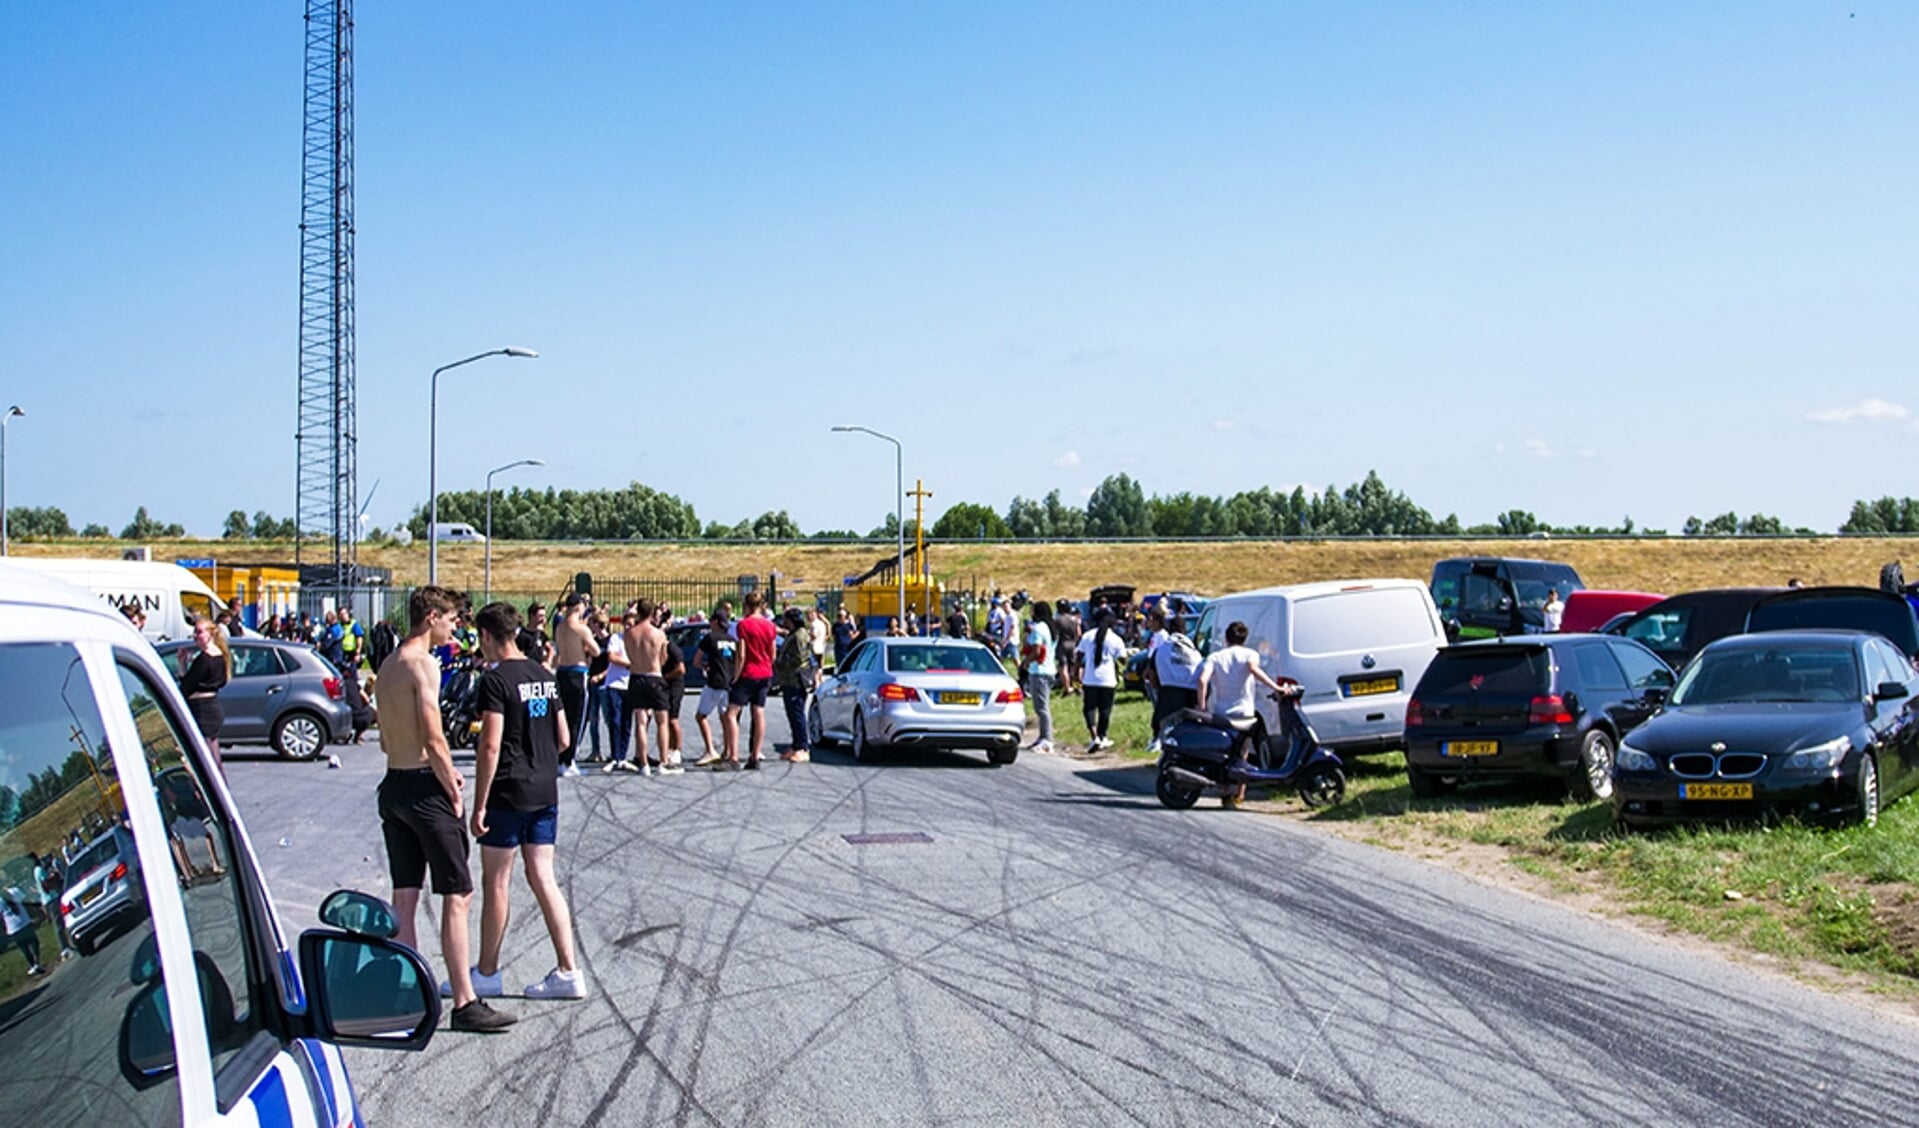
{"points": [[516, 802]]}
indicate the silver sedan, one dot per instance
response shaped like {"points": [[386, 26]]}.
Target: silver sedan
{"points": [[941, 693]]}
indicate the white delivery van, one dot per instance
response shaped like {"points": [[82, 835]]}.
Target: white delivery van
{"points": [[169, 594], [1357, 646], [457, 532]]}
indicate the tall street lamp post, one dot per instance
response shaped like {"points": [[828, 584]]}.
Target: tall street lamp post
{"points": [[433, 458], [899, 495], [488, 597], [6, 539]]}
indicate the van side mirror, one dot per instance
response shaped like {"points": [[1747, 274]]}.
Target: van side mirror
{"points": [[360, 913], [1889, 691], [368, 991], [146, 1029]]}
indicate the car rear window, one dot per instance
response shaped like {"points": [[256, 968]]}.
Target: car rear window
{"points": [[1375, 619], [932, 659], [96, 855], [1517, 671], [1891, 618]]}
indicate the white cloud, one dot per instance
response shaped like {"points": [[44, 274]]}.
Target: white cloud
{"points": [[1587, 452], [1070, 458], [1539, 448], [1225, 425], [1499, 448], [1868, 410]]}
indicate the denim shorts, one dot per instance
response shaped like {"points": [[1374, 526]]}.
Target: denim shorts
{"points": [[509, 828]]}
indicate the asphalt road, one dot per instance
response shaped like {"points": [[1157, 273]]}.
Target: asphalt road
{"points": [[1062, 950]]}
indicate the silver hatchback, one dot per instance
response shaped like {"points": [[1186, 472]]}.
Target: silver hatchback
{"points": [[281, 693], [943, 693]]}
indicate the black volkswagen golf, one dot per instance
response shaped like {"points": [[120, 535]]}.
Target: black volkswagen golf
{"points": [[1814, 723], [1549, 706]]}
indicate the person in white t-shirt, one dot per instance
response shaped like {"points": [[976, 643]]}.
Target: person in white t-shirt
{"points": [[618, 673], [1172, 667], [1554, 612], [1099, 650], [1228, 680]]}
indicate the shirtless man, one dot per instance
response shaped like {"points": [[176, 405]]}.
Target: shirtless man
{"points": [[422, 815], [573, 652], [646, 695]]}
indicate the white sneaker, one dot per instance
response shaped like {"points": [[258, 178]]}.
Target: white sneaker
{"points": [[559, 985], [484, 986], [569, 771], [673, 766], [646, 769], [1152, 748], [1043, 746]]}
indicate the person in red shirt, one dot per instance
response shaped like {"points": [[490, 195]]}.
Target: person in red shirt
{"points": [[759, 638]]}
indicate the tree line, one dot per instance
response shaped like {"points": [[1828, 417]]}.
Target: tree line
{"points": [[1117, 507]]}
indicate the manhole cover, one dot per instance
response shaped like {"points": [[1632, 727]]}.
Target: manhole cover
{"points": [[895, 838]]}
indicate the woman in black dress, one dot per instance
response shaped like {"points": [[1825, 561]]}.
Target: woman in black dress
{"points": [[206, 667]]}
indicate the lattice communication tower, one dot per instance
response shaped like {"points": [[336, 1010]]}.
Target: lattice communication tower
{"points": [[327, 437]]}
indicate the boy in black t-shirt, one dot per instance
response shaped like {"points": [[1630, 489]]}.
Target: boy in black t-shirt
{"points": [[715, 658], [516, 797]]}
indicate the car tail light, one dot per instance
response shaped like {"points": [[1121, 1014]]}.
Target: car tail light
{"points": [[1415, 716], [1549, 710], [1009, 697], [334, 690], [893, 691], [66, 908], [119, 872]]}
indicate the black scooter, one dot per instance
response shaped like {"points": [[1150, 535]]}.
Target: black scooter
{"points": [[460, 704], [1199, 750]]}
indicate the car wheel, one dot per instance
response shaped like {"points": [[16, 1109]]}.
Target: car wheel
{"points": [[1592, 776], [815, 729], [299, 736], [999, 757], [83, 945], [863, 749], [1868, 792], [1428, 784], [1173, 793]]}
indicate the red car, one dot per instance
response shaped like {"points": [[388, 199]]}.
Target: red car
{"points": [[1589, 610]]}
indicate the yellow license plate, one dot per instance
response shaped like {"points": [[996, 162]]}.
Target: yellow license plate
{"points": [[92, 895], [1469, 748], [1715, 791], [474, 728], [959, 699], [1372, 686]]}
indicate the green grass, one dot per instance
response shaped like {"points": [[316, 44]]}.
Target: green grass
{"points": [[13, 964], [1848, 898]]}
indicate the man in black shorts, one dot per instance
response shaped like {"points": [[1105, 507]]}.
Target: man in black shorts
{"points": [[422, 816]]}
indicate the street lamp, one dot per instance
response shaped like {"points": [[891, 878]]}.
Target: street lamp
{"points": [[433, 458], [899, 499], [488, 597], [6, 541]]}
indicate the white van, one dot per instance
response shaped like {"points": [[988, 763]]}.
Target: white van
{"points": [[170, 595], [154, 984], [457, 532], [1357, 646]]}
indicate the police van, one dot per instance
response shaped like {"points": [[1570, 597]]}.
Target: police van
{"points": [[180, 1000]]}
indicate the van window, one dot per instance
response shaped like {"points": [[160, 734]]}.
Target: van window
{"points": [[203, 860], [196, 605], [61, 811], [1659, 630], [1203, 634], [1448, 578], [1376, 619]]}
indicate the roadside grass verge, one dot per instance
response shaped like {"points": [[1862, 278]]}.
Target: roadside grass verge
{"points": [[1848, 898]]}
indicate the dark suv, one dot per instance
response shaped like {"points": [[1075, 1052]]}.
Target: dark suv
{"points": [[1547, 705], [1484, 596]]}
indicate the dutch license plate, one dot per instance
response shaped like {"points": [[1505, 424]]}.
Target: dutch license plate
{"points": [[1469, 748], [92, 895], [1715, 791], [1372, 686], [959, 699]]}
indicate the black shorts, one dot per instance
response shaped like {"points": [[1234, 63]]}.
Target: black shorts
{"points": [[646, 693], [423, 833], [675, 695], [748, 691]]}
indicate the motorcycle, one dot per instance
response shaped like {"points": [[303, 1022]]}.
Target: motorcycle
{"points": [[1199, 750], [460, 704]]}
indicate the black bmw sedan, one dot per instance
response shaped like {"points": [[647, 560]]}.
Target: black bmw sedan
{"points": [[1813, 723]]}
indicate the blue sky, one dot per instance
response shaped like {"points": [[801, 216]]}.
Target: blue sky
{"points": [[1587, 260]]}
